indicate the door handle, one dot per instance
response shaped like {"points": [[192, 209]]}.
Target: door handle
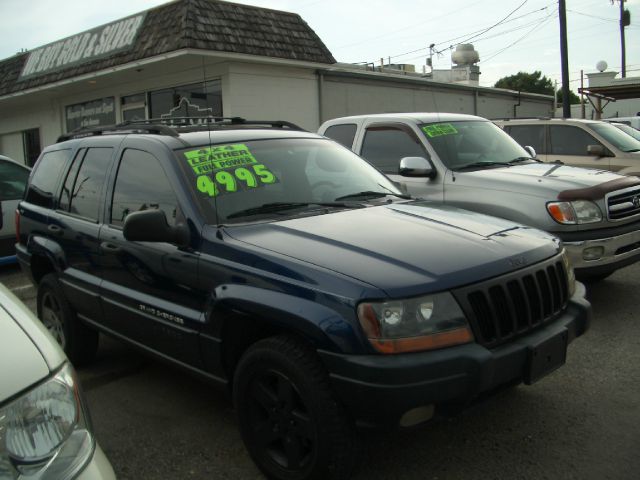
{"points": [[110, 247], [55, 229]]}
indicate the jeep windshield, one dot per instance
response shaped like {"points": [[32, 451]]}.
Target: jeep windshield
{"points": [[271, 179], [473, 144]]}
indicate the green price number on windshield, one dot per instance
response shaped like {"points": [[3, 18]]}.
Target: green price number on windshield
{"points": [[226, 181]]}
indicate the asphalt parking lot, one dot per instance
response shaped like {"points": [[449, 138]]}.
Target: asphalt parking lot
{"points": [[581, 422]]}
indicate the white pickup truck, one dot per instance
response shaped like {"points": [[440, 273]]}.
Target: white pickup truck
{"points": [[469, 162]]}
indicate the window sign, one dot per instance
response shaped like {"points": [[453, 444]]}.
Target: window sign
{"points": [[84, 47], [91, 114], [193, 101]]}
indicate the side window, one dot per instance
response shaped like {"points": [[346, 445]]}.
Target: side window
{"points": [[142, 184], [528, 135], [13, 179], [85, 195], [67, 189], [385, 146], [567, 140], [45, 178], [343, 134]]}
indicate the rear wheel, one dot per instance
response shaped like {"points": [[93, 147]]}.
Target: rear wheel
{"points": [[78, 341], [290, 421]]}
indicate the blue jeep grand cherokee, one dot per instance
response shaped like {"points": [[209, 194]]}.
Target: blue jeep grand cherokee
{"points": [[281, 265]]}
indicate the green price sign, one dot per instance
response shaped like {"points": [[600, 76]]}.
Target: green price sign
{"points": [[227, 169], [231, 181], [439, 129]]}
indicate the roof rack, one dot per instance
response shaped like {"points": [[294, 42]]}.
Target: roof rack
{"points": [[521, 118], [187, 122], [168, 126], [119, 128]]}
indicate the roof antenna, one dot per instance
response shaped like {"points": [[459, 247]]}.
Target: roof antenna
{"points": [[204, 91]]}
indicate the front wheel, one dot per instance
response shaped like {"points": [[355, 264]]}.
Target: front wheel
{"points": [[290, 421], [78, 341]]}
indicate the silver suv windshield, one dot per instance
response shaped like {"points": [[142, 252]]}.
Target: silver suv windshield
{"points": [[473, 144], [616, 137], [275, 178]]}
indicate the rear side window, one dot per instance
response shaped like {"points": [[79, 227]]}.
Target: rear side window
{"points": [[528, 135], [567, 140], [86, 194], [343, 134], [43, 183], [13, 179], [385, 146], [142, 184]]}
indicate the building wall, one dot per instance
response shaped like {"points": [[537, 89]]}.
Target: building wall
{"points": [[344, 95], [262, 92]]}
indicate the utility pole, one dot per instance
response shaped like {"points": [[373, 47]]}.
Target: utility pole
{"points": [[564, 58], [625, 19]]}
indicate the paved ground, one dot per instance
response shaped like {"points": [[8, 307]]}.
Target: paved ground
{"points": [[582, 422]]}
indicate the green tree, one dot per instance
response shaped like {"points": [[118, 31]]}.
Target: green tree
{"points": [[573, 98], [527, 82], [533, 83]]}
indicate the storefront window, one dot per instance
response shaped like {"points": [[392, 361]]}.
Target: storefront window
{"points": [[91, 114], [134, 107], [195, 100]]}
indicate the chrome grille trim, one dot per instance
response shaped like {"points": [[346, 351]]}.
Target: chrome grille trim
{"points": [[623, 204]]}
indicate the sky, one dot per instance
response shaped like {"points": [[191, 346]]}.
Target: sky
{"points": [[510, 36]]}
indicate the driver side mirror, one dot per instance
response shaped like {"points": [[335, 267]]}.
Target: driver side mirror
{"points": [[596, 150], [152, 226], [416, 167], [531, 151]]}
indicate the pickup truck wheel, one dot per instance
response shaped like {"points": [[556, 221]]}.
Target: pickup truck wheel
{"points": [[78, 341], [290, 421]]}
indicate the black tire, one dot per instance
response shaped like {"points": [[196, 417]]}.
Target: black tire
{"points": [[78, 341], [290, 421]]}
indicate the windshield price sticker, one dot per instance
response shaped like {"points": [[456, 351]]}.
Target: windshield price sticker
{"points": [[439, 129], [228, 169]]}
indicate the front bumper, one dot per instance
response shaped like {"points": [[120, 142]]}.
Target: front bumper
{"points": [[98, 468], [379, 389], [617, 252]]}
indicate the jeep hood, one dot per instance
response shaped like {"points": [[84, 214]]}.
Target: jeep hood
{"points": [[404, 249], [545, 180]]}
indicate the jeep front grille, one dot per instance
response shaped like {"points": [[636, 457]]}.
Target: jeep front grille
{"points": [[623, 203], [508, 306]]}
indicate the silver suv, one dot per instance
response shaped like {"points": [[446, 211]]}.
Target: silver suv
{"points": [[578, 142], [468, 162]]}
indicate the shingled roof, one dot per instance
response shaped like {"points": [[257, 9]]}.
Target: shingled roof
{"points": [[211, 25]]}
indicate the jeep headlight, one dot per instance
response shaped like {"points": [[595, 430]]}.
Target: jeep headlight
{"points": [[45, 433], [423, 323], [576, 212]]}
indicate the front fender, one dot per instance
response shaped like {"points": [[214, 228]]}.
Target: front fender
{"points": [[326, 327]]}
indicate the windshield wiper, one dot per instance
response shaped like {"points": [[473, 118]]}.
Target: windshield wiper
{"points": [[275, 207], [523, 159], [481, 165], [633, 150], [373, 194]]}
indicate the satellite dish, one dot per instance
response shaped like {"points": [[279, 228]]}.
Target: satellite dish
{"points": [[601, 66]]}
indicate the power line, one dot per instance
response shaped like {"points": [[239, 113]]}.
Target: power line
{"points": [[368, 39], [491, 27], [540, 23], [478, 32], [498, 34]]}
